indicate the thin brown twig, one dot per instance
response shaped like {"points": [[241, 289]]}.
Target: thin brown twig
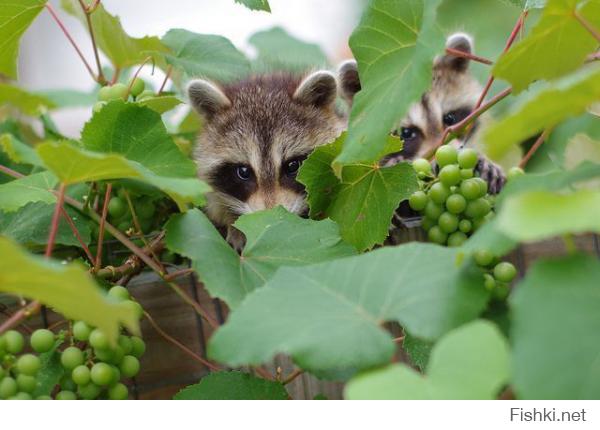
{"points": [[539, 141], [587, 25], [177, 274], [101, 229], [87, 12], [181, 346], [292, 376], [212, 322], [77, 235], [468, 55], [135, 75], [263, 372], [164, 83], [399, 339]]}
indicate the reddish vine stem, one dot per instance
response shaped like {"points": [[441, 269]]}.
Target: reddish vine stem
{"points": [[115, 77], [11, 172], [164, 83], [77, 235], [587, 25], [88, 11], [212, 322], [179, 345], [263, 372], [462, 54], [593, 57], [70, 38], [292, 376], [539, 141], [101, 229], [177, 274]]}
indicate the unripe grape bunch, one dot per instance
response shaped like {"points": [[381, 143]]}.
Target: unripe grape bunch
{"points": [[119, 91], [90, 367]]}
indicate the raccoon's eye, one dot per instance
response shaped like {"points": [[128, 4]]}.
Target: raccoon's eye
{"points": [[408, 133], [243, 172], [291, 167], [455, 116]]}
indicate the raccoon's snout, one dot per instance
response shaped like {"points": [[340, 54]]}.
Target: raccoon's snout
{"points": [[290, 200]]}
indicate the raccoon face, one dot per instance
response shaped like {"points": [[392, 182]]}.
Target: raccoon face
{"points": [[453, 95], [256, 134]]}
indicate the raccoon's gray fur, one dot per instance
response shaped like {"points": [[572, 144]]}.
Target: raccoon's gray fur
{"points": [[256, 134]]}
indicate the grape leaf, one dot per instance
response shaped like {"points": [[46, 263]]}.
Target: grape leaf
{"points": [[121, 49], [557, 45], [33, 188], [28, 103], [419, 350], [18, 151], [256, 4], [30, 226], [15, 17], [67, 288], [526, 4], [72, 164], [394, 45], [207, 55], [539, 215], [160, 104], [363, 201], [544, 109], [278, 50], [557, 357], [328, 316], [274, 238], [469, 363], [233, 386]]}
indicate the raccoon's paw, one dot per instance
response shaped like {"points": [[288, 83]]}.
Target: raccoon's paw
{"points": [[236, 238], [492, 174]]}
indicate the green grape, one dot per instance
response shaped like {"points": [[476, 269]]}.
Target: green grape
{"points": [[448, 222], [117, 91], [126, 344], [137, 87], [138, 346], [483, 257], [14, 341], [42, 340], [457, 239], [505, 272], [146, 225], [489, 282], [117, 355], [2, 372], [89, 391], [477, 208], [432, 210], [104, 94], [456, 203], [116, 375], [514, 172], [71, 357], [21, 396], [81, 375], [465, 225], [130, 366], [105, 355], [421, 165], [81, 331], [118, 392], [467, 158], [28, 364], [136, 307], [446, 155], [450, 175], [2, 344], [119, 293], [8, 387], [101, 374], [124, 226], [145, 209], [66, 395], [417, 201], [427, 223], [436, 235], [146, 94], [26, 383], [501, 292], [98, 106], [43, 397], [483, 186], [117, 207], [466, 173], [470, 189], [98, 339], [439, 193]]}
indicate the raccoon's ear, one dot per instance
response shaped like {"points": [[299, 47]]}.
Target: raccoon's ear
{"points": [[207, 98], [349, 79], [317, 89], [460, 42]]}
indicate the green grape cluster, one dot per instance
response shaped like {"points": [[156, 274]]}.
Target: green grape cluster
{"points": [[498, 274], [92, 367], [455, 203], [121, 91], [120, 215]]}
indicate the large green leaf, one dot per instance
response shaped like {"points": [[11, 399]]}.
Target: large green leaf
{"points": [[34, 188], [28, 103], [206, 55], [160, 104], [469, 363], [363, 201], [121, 49], [233, 386], [256, 4], [15, 17], [274, 238], [72, 164], [555, 330], [394, 45], [330, 315], [30, 226], [18, 151], [557, 45], [544, 109], [67, 288], [277, 49]]}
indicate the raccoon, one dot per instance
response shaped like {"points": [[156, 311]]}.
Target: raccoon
{"points": [[453, 95], [256, 134]]}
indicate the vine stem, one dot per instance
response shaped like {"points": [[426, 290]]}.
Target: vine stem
{"points": [[177, 274], [462, 54], [70, 38], [101, 229], [88, 12], [587, 25], [179, 345], [137, 72], [194, 304], [292, 376], [539, 141], [164, 83], [77, 235]]}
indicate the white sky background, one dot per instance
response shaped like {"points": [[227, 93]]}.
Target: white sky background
{"points": [[48, 61]]}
